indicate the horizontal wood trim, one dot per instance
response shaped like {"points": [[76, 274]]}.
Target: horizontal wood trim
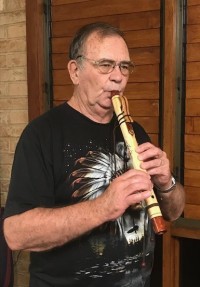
{"points": [[61, 2], [192, 89], [192, 160], [132, 21], [193, 33], [144, 107], [192, 177], [61, 77], [193, 71], [150, 124], [59, 61], [192, 143], [61, 45], [192, 107], [140, 20], [187, 228], [61, 92], [192, 125], [145, 74], [69, 27], [193, 52], [192, 194], [142, 91], [193, 15], [70, 11], [193, 2], [145, 56], [143, 38], [192, 211]]}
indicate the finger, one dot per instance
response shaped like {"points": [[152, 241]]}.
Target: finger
{"points": [[138, 184], [132, 173], [138, 197], [151, 152], [142, 147], [155, 163]]}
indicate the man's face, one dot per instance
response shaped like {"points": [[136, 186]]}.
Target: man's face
{"points": [[94, 88]]}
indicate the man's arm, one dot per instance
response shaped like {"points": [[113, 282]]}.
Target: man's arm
{"points": [[156, 163], [44, 228], [172, 202]]}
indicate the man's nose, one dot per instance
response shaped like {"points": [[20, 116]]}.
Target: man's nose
{"points": [[116, 74]]}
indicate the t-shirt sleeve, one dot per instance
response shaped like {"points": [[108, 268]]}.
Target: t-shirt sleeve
{"points": [[140, 134], [32, 181]]}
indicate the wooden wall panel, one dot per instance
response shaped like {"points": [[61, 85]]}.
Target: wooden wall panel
{"points": [[192, 160], [192, 194], [98, 8], [192, 89], [192, 112], [140, 21], [193, 70], [193, 2], [193, 15], [192, 178], [193, 52], [191, 211], [192, 125], [193, 107], [192, 143], [193, 33]]}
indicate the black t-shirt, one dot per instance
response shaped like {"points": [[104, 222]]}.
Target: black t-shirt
{"points": [[63, 158]]}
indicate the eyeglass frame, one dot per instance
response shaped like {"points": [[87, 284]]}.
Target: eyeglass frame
{"points": [[112, 62]]}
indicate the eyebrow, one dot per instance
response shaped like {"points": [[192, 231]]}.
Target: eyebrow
{"points": [[123, 61]]}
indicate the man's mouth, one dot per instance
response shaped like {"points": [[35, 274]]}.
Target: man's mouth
{"points": [[114, 93]]}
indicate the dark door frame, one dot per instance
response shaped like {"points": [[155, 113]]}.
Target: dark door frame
{"points": [[37, 57]]}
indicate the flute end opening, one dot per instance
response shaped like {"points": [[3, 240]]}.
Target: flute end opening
{"points": [[159, 225]]}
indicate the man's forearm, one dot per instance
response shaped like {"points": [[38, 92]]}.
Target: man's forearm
{"points": [[45, 228], [172, 203]]}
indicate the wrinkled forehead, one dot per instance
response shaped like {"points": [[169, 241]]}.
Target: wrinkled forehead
{"points": [[103, 46]]}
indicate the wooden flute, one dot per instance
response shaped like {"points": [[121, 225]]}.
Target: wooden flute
{"points": [[120, 105]]}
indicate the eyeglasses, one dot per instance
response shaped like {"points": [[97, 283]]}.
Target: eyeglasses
{"points": [[106, 66]]}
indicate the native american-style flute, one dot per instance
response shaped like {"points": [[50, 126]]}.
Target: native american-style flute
{"points": [[121, 109]]}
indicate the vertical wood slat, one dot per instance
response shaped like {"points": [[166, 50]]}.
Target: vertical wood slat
{"points": [[170, 12], [35, 57]]}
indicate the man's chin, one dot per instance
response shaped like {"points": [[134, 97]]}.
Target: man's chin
{"points": [[107, 104]]}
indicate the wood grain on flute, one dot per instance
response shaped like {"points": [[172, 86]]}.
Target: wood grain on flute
{"points": [[120, 105]]}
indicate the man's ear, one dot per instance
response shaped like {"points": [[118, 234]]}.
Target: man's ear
{"points": [[73, 71]]}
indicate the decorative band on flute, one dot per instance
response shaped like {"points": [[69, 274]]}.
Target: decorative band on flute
{"points": [[120, 105]]}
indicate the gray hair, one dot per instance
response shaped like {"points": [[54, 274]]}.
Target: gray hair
{"points": [[79, 40]]}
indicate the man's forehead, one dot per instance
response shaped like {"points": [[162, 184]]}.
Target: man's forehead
{"points": [[96, 41], [99, 37]]}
